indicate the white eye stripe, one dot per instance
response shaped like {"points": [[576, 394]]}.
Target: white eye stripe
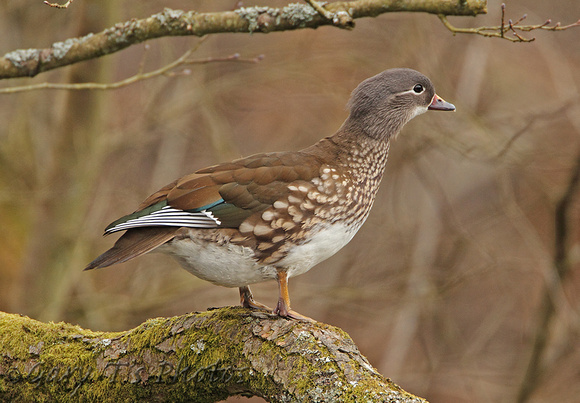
{"points": [[412, 91]]}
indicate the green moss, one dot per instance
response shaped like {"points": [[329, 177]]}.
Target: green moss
{"points": [[209, 356]]}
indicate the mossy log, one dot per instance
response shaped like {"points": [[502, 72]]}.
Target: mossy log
{"points": [[198, 357]]}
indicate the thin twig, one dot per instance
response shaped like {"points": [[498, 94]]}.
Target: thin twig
{"points": [[56, 5], [315, 5], [140, 76], [515, 27], [502, 19], [341, 18]]}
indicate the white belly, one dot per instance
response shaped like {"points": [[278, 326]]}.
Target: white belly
{"points": [[322, 245], [232, 265], [228, 265]]}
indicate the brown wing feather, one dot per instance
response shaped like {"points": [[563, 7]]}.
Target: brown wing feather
{"points": [[135, 242], [252, 183], [189, 199], [156, 197]]}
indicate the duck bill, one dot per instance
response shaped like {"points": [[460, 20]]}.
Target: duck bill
{"points": [[439, 104]]}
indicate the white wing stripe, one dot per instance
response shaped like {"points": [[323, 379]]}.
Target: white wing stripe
{"points": [[171, 217]]}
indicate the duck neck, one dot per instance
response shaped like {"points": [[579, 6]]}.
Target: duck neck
{"points": [[363, 158]]}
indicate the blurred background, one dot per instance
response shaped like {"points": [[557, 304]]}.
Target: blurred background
{"points": [[444, 287]]}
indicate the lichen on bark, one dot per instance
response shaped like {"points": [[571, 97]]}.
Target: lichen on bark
{"points": [[30, 62], [201, 357]]}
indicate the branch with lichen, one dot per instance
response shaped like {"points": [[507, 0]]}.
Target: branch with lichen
{"points": [[30, 62], [167, 70], [513, 27], [196, 357]]}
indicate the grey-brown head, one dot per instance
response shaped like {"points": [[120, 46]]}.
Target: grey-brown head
{"points": [[381, 105]]}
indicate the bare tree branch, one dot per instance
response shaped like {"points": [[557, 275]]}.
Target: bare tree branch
{"points": [[30, 62], [167, 70], [196, 357], [513, 27]]}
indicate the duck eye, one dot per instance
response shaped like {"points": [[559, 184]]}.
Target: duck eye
{"points": [[418, 88]]}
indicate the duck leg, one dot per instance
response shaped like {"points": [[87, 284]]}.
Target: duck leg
{"points": [[247, 300], [283, 306]]}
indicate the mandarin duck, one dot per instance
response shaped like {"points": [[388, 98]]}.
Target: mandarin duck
{"points": [[275, 215]]}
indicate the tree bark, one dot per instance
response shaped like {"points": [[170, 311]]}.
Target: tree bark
{"points": [[199, 357], [30, 62]]}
